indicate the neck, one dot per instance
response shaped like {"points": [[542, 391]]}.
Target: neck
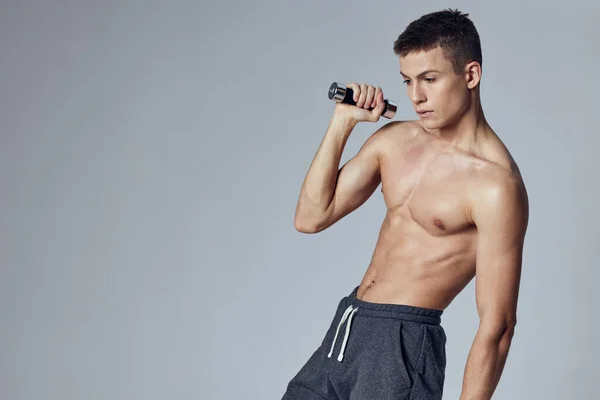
{"points": [[468, 129]]}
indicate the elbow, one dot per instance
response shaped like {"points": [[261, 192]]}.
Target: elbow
{"points": [[507, 332], [499, 330], [304, 227], [311, 223]]}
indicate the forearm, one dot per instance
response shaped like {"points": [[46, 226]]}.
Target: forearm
{"points": [[319, 185], [485, 364]]}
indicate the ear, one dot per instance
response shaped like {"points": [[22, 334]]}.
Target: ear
{"points": [[473, 74]]}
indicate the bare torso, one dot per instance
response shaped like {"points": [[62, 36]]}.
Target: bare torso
{"points": [[426, 249]]}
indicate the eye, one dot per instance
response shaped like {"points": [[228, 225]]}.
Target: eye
{"points": [[429, 79], [406, 81]]}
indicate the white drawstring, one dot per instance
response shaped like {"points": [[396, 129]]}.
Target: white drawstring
{"points": [[341, 355], [348, 313]]}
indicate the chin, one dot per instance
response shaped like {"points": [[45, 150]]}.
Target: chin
{"points": [[432, 125]]}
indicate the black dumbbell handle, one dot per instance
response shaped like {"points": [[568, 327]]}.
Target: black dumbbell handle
{"points": [[338, 92]]}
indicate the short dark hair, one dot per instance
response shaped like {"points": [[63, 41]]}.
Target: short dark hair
{"points": [[450, 29]]}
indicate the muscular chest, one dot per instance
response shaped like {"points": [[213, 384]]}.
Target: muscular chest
{"points": [[428, 187]]}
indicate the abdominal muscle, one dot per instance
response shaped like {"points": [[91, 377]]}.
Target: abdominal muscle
{"points": [[411, 266]]}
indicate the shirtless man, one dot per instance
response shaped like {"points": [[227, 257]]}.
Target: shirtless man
{"points": [[457, 208]]}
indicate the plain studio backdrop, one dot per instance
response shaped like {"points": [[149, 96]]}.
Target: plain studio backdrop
{"points": [[151, 158]]}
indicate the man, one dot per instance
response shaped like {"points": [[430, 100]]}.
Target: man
{"points": [[457, 208]]}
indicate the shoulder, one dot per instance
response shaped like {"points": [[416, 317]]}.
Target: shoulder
{"points": [[394, 132], [497, 193]]}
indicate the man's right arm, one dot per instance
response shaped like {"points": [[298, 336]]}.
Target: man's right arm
{"points": [[329, 194]]}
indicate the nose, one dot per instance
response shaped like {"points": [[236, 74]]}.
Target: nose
{"points": [[416, 94]]}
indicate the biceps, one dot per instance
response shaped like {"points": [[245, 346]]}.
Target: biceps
{"points": [[357, 180], [497, 282]]}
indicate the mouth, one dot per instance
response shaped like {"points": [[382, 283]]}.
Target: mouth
{"points": [[424, 113]]}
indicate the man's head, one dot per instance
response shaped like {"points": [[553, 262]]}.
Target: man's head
{"points": [[446, 41]]}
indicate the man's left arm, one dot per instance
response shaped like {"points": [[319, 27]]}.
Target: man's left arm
{"points": [[501, 215]]}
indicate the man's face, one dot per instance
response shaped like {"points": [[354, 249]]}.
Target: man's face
{"points": [[443, 93]]}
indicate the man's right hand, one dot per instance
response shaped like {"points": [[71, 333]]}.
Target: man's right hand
{"points": [[366, 97]]}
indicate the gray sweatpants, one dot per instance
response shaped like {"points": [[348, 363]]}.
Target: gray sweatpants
{"points": [[375, 351]]}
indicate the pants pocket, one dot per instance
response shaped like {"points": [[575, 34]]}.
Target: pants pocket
{"points": [[404, 347], [428, 379]]}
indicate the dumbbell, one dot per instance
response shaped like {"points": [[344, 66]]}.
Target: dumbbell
{"points": [[339, 93]]}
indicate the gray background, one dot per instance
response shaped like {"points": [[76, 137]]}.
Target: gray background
{"points": [[151, 156]]}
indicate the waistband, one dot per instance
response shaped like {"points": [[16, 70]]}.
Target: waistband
{"points": [[396, 311]]}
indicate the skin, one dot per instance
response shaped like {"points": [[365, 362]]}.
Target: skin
{"points": [[457, 207]]}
